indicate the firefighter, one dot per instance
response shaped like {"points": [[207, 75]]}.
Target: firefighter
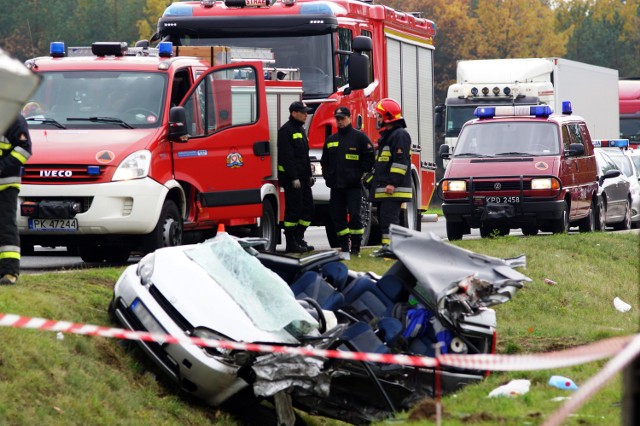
{"points": [[391, 185], [15, 150], [294, 174], [346, 156]]}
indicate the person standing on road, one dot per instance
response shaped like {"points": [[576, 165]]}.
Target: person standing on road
{"points": [[346, 156], [294, 174], [391, 185], [15, 150]]}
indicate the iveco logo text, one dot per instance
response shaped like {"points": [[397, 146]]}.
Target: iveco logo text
{"points": [[56, 173]]}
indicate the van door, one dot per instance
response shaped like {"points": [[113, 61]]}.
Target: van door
{"points": [[226, 158]]}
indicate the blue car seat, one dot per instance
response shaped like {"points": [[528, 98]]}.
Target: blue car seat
{"points": [[336, 273], [312, 285], [374, 299]]}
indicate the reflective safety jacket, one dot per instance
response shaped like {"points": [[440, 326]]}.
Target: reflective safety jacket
{"points": [[15, 150], [392, 166], [293, 152], [346, 156]]}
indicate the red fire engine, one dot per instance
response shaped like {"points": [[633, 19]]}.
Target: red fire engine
{"points": [[110, 173], [317, 38]]}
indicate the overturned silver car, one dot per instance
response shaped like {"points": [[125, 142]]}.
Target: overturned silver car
{"points": [[435, 297]]}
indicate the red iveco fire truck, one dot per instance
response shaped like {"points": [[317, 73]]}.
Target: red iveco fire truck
{"points": [[317, 38], [110, 172]]}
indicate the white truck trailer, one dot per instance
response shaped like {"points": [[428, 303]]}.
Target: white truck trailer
{"points": [[592, 90]]}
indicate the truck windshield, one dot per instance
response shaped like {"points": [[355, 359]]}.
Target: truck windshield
{"points": [[630, 128], [311, 54], [508, 139], [456, 117], [108, 99]]}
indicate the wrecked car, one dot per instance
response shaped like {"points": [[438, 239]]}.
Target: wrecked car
{"points": [[435, 297]]}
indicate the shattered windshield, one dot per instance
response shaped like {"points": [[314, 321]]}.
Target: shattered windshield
{"points": [[259, 292], [508, 138], [311, 54], [109, 99]]}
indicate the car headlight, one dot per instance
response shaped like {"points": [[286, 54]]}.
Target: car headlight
{"points": [[135, 166], [544, 183], [454, 186], [145, 269], [205, 333]]}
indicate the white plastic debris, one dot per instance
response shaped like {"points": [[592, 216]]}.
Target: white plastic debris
{"points": [[60, 335], [620, 305], [513, 388]]}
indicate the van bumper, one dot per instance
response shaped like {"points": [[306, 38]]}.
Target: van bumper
{"points": [[514, 215]]}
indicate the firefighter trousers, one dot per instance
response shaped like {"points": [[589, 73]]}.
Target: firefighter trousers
{"points": [[298, 206], [343, 202], [389, 213], [9, 238]]}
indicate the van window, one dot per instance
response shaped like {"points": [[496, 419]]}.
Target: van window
{"points": [[508, 138]]}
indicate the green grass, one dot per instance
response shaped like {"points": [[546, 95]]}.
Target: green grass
{"points": [[91, 380]]}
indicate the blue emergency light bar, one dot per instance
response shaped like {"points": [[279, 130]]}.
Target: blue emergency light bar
{"points": [[165, 49], [612, 143], [56, 49], [505, 111]]}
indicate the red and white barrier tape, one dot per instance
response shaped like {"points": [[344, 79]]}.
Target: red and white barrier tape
{"points": [[579, 355]]}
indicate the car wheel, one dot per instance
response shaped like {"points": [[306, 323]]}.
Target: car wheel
{"points": [[600, 215], [626, 222], [529, 230], [561, 226], [588, 224], [268, 228], [168, 230], [455, 230]]}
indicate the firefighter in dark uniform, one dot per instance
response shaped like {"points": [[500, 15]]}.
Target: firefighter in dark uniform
{"points": [[391, 185], [347, 155], [15, 150], [294, 174]]}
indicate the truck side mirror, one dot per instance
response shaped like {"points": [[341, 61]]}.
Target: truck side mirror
{"points": [[178, 131], [359, 63], [575, 150], [438, 118], [443, 152]]}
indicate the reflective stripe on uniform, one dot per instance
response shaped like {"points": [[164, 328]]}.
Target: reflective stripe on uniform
{"points": [[280, 168], [399, 168], [357, 231], [304, 222], [290, 224], [20, 154], [345, 231], [10, 252], [297, 136], [386, 239], [9, 185], [398, 192], [352, 157], [333, 144]]}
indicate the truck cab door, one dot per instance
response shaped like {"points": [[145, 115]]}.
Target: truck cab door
{"points": [[226, 158]]}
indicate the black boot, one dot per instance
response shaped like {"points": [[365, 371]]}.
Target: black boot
{"points": [[300, 238], [356, 242], [292, 242]]}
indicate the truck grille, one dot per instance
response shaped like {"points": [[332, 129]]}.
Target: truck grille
{"points": [[504, 185], [62, 173]]}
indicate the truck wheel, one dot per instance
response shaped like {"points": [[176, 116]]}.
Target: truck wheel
{"points": [[372, 235], [626, 222], [600, 215], [529, 230], [561, 226], [168, 230], [91, 253], [455, 230], [268, 228], [410, 216], [588, 224], [115, 253]]}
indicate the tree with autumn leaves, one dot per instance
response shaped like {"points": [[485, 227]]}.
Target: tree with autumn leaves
{"points": [[598, 32]]}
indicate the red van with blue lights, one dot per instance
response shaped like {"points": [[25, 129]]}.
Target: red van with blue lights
{"points": [[520, 167]]}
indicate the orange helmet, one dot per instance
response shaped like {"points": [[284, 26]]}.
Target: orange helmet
{"points": [[389, 110]]}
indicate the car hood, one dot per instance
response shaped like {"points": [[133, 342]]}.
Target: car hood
{"points": [[500, 166], [452, 280], [88, 146], [219, 286]]}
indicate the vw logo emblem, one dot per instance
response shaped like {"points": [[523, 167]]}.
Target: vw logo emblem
{"points": [[497, 186]]}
